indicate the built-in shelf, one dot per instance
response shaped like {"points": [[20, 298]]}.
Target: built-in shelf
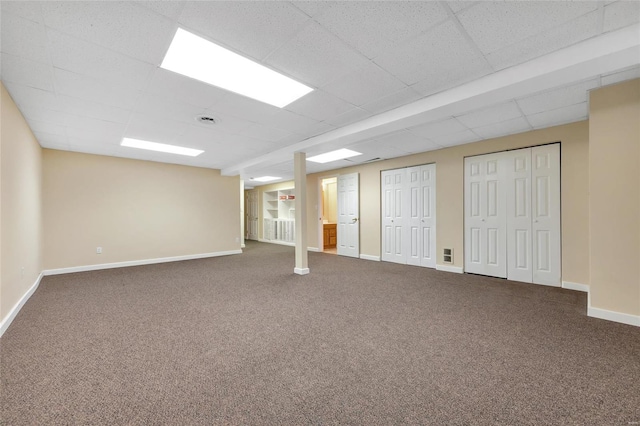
{"points": [[279, 216]]}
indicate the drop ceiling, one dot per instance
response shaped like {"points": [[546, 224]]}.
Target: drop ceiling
{"points": [[389, 78]]}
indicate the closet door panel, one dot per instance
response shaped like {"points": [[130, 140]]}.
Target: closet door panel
{"points": [[519, 241], [546, 214]]}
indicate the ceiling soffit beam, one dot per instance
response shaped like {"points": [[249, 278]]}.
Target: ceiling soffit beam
{"points": [[600, 55]]}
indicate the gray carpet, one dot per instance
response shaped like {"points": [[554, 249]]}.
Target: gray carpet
{"points": [[242, 340]]}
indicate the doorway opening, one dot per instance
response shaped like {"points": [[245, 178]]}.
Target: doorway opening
{"points": [[329, 214]]}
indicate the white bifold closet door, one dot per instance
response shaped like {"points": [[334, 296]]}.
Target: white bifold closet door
{"points": [[408, 215], [512, 215]]}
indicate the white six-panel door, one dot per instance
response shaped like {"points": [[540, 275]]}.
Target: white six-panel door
{"points": [[348, 215], [252, 215], [408, 215], [526, 185], [519, 215], [545, 195], [394, 214], [485, 239]]}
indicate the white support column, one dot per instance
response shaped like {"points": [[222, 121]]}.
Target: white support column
{"points": [[242, 213], [300, 179]]}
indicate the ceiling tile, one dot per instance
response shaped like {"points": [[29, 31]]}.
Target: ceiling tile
{"points": [[167, 107], [83, 87], [509, 127], [27, 72], [108, 129], [287, 120], [151, 128], [351, 116], [319, 105], [620, 14], [495, 25], [47, 140], [458, 5], [438, 51], [391, 101], [30, 10], [438, 81], [170, 9], [93, 109], [44, 127], [203, 135], [457, 139], [572, 32], [29, 96], [44, 115], [245, 108], [122, 26], [559, 116], [311, 8], [628, 74], [81, 57], [264, 133], [557, 98], [97, 148], [438, 128], [23, 38], [253, 29], [374, 27], [490, 115], [364, 85], [314, 56]]}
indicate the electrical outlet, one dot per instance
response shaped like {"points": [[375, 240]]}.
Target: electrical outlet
{"points": [[237, 239], [98, 250]]}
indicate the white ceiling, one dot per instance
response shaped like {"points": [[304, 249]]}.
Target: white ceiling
{"points": [[390, 78]]}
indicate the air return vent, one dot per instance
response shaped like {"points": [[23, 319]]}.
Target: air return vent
{"points": [[448, 255], [205, 119]]}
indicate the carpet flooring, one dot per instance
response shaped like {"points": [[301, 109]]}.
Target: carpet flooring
{"points": [[242, 340]]}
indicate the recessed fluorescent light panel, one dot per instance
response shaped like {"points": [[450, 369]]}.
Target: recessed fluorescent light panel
{"points": [[161, 147], [340, 154], [265, 178], [198, 58]]}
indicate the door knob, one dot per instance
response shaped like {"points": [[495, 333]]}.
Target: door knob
{"points": [[355, 219]]}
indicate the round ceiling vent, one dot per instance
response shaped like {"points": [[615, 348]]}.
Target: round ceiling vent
{"points": [[206, 119]]}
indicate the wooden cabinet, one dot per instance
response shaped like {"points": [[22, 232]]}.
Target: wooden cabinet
{"points": [[330, 235]]}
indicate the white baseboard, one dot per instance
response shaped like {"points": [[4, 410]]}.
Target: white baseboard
{"points": [[6, 321], [243, 245], [575, 286], [370, 257], [450, 268], [316, 249], [301, 271], [613, 316], [137, 262]]}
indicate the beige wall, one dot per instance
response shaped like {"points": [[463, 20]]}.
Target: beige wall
{"points": [[450, 201], [614, 129], [20, 212], [134, 210]]}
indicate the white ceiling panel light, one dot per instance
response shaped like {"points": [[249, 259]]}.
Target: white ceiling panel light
{"points": [[202, 60], [339, 154], [266, 178], [160, 147]]}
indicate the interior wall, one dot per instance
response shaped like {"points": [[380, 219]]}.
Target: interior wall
{"points": [[134, 210], [574, 140], [20, 212], [614, 129]]}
